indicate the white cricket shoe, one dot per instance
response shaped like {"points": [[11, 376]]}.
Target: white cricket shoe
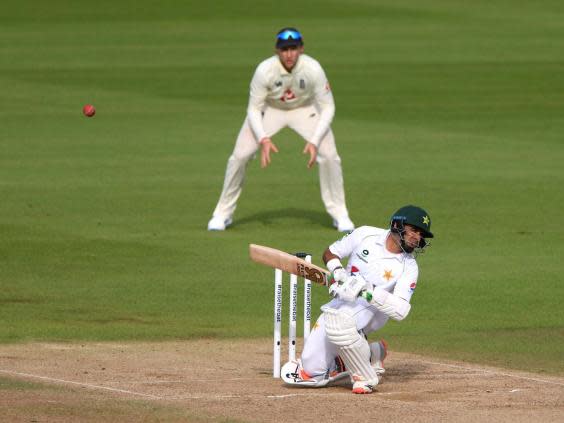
{"points": [[292, 373], [363, 386], [344, 224], [218, 223]]}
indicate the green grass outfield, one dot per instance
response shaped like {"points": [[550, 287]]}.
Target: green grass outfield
{"points": [[455, 106]]}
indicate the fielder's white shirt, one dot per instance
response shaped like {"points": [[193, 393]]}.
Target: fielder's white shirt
{"points": [[368, 256], [273, 86]]}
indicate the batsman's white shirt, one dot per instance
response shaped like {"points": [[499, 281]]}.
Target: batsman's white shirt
{"points": [[368, 257], [272, 85]]}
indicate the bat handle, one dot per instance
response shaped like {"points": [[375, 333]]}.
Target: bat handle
{"points": [[302, 255]]}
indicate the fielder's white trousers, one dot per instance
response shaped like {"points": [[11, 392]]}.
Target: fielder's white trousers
{"points": [[303, 120]]}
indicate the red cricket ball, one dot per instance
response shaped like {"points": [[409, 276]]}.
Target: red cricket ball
{"points": [[89, 110]]}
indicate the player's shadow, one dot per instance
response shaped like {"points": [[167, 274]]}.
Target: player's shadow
{"points": [[398, 373], [274, 217], [404, 371]]}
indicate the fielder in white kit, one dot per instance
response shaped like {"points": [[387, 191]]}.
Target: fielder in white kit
{"points": [[291, 90], [377, 284]]}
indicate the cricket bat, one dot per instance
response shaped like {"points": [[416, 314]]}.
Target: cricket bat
{"points": [[288, 263]]}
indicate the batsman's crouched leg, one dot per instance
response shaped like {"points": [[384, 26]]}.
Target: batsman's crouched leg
{"points": [[354, 350]]}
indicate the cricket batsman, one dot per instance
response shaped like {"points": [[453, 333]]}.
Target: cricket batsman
{"points": [[289, 89], [376, 285]]}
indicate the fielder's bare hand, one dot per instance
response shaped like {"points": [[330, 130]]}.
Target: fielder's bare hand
{"points": [[312, 151], [267, 147]]}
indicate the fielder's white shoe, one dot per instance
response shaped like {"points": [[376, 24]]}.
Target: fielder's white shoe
{"points": [[219, 223], [344, 224]]}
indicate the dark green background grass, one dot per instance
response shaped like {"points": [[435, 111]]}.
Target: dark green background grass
{"points": [[456, 106]]}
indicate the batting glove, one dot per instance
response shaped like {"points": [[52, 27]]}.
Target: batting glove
{"points": [[340, 275], [352, 287]]}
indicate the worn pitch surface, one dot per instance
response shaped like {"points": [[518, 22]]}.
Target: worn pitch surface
{"points": [[209, 380]]}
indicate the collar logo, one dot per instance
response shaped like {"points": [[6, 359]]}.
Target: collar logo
{"points": [[426, 220]]}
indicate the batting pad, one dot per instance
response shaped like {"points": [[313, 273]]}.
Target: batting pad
{"points": [[354, 349]]}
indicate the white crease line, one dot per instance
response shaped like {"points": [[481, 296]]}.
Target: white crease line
{"points": [[309, 394], [185, 381], [493, 372], [144, 382], [326, 394], [124, 391], [210, 397], [87, 385], [221, 397]]}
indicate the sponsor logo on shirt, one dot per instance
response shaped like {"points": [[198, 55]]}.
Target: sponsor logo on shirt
{"points": [[361, 257], [412, 286], [354, 270], [288, 95]]}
